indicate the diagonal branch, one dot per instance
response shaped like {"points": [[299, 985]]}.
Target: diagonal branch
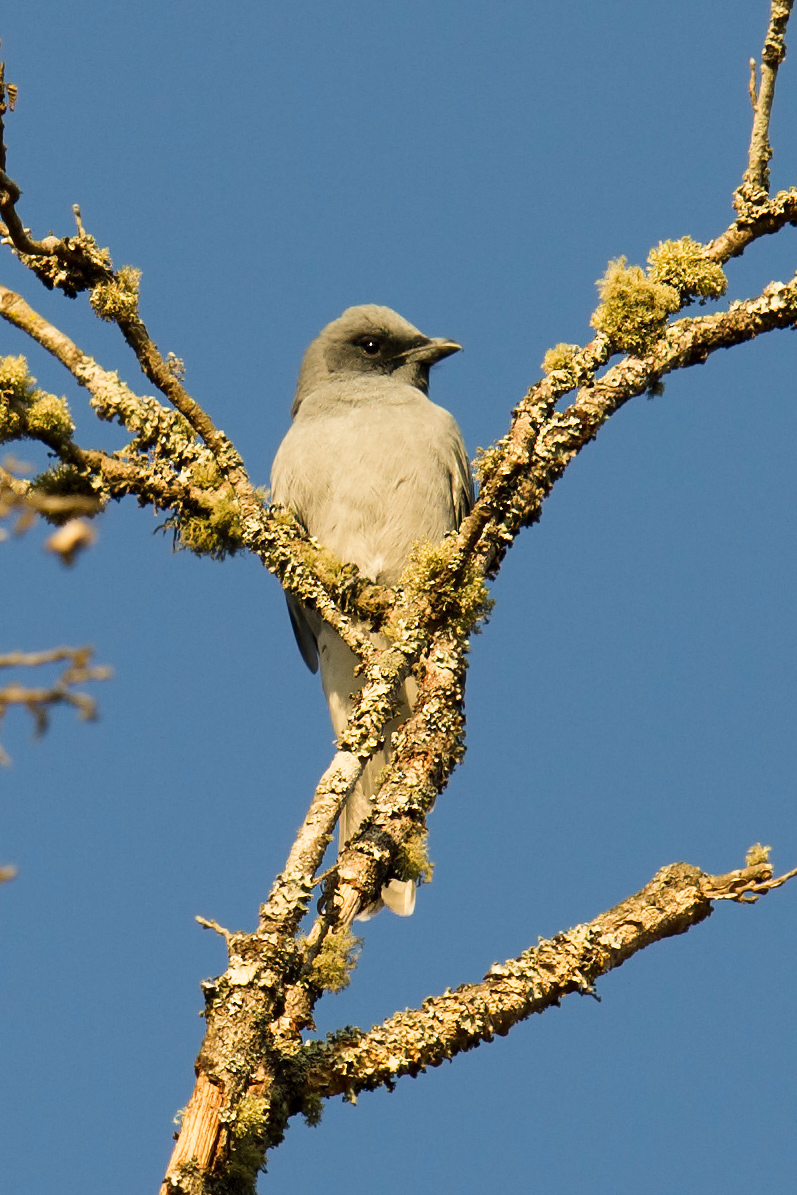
{"points": [[677, 898], [542, 442], [275, 537]]}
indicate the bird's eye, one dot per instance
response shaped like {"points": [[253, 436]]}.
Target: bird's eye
{"points": [[369, 346]]}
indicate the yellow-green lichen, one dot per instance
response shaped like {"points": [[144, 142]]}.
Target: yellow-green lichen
{"points": [[49, 417], [683, 265], [217, 531], [68, 482], [633, 310], [486, 462], [335, 961], [248, 1145], [205, 474], [118, 298], [413, 862], [26, 411], [72, 265], [459, 598], [10, 422], [15, 381], [16, 391], [757, 855], [561, 356]]}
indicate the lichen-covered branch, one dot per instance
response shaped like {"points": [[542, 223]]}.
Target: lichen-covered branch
{"points": [[166, 464], [254, 1070], [22, 501], [676, 899]]}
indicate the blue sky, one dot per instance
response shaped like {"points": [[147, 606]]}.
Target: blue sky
{"points": [[631, 702]]}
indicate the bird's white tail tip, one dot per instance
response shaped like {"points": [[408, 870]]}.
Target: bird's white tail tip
{"points": [[398, 896]]}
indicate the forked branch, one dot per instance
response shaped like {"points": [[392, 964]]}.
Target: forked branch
{"points": [[254, 1070]]}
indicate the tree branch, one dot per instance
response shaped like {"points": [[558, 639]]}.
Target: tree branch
{"points": [[39, 701], [677, 898], [756, 177], [250, 1069]]}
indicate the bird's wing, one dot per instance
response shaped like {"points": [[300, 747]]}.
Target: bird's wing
{"points": [[304, 635], [461, 481]]}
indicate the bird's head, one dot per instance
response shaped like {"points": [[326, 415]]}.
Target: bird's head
{"points": [[371, 340]]}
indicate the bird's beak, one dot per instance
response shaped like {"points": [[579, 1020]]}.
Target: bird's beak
{"points": [[431, 351]]}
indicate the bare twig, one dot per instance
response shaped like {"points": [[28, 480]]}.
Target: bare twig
{"points": [[39, 701], [755, 184]]}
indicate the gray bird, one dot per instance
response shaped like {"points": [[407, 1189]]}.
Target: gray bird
{"points": [[369, 467]]}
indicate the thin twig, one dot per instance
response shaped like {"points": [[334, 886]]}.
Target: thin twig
{"points": [[755, 183], [39, 701]]}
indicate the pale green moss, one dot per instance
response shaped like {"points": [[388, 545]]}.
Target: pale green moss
{"points": [[205, 474], [335, 961], [117, 299], [561, 356], [682, 264], [634, 309]]}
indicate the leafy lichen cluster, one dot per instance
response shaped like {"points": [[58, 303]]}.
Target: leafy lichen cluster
{"points": [[636, 304], [413, 862], [72, 265], [458, 597], [561, 356], [155, 427], [26, 412], [118, 297], [333, 965], [217, 531], [683, 265], [486, 462], [634, 308], [249, 1131]]}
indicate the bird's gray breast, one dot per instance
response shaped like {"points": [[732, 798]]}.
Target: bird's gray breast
{"points": [[371, 473]]}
